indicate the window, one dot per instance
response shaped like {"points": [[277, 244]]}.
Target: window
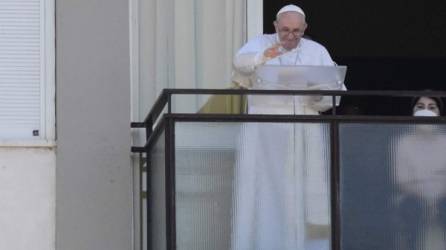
{"points": [[27, 70]]}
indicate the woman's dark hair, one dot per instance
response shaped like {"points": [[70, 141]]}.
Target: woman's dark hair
{"points": [[436, 99]]}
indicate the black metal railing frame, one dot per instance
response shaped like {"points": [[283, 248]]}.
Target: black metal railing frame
{"points": [[166, 123]]}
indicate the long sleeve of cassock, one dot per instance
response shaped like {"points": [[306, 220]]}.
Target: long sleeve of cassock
{"points": [[324, 103], [246, 63], [251, 54]]}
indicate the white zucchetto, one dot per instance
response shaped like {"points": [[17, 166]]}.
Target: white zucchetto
{"points": [[290, 7]]}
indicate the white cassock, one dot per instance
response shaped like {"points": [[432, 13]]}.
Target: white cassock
{"points": [[281, 173]]}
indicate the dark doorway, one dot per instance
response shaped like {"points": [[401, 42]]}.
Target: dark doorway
{"points": [[387, 45]]}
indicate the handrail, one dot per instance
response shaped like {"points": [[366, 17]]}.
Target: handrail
{"points": [[395, 93], [185, 117], [150, 140], [152, 116], [158, 106], [163, 98], [166, 94]]}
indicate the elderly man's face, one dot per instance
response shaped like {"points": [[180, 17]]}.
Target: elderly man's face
{"points": [[290, 26]]}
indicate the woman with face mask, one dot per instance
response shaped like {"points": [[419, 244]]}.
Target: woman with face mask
{"points": [[419, 169], [427, 106]]}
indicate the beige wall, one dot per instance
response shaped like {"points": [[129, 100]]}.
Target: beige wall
{"points": [[94, 182]]}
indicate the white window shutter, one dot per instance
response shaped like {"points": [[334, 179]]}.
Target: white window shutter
{"points": [[22, 72]]}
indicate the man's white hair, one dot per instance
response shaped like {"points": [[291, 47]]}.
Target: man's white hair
{"points": [[288, 8]]}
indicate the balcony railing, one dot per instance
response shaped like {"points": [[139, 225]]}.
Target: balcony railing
{"points": [[290, 181]]}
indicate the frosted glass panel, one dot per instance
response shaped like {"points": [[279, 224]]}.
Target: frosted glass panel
{"points": [[210, 104], [253, 104], [393, 186], [157, 195], [252, 186], [204, 161], [288, 105]]}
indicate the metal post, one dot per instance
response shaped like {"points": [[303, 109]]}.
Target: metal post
{"points": [[169, 103], [149, 128], [333, 105], [146, 196], [335, 187], [170, 184]]}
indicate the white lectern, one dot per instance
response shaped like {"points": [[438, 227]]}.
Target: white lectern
{"points": [[277, 77], [300, 77]]}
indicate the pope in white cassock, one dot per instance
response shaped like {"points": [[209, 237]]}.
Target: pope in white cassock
{"points": [[281, 191]]}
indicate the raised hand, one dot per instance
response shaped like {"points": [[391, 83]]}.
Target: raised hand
{"points": [[273, 51]]}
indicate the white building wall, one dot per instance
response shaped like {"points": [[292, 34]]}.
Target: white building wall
{"points": [[27, 160], [27, 198]]}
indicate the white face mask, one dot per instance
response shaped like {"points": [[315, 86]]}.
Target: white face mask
{"points": [[424, 112]]}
